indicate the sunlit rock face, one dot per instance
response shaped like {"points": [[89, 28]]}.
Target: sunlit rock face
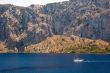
{"points": [[25, 25], [84, 18], [33, 24]]}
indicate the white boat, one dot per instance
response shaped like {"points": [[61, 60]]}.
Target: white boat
{"points": [[78, 60]]}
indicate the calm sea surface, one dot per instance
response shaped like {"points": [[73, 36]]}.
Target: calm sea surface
{"points": [[54, 63]]}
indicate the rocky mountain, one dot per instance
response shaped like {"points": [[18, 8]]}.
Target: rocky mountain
{"points": [[24, 26]]}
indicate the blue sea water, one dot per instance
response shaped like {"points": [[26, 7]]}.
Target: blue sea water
{"points": [[54, 63]]}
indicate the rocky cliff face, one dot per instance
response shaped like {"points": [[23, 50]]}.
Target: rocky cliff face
{"points": [[23, 26], [92, 19]]}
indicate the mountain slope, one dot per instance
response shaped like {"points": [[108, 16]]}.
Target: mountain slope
{"points": [[73, 44], [23, 26]]}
